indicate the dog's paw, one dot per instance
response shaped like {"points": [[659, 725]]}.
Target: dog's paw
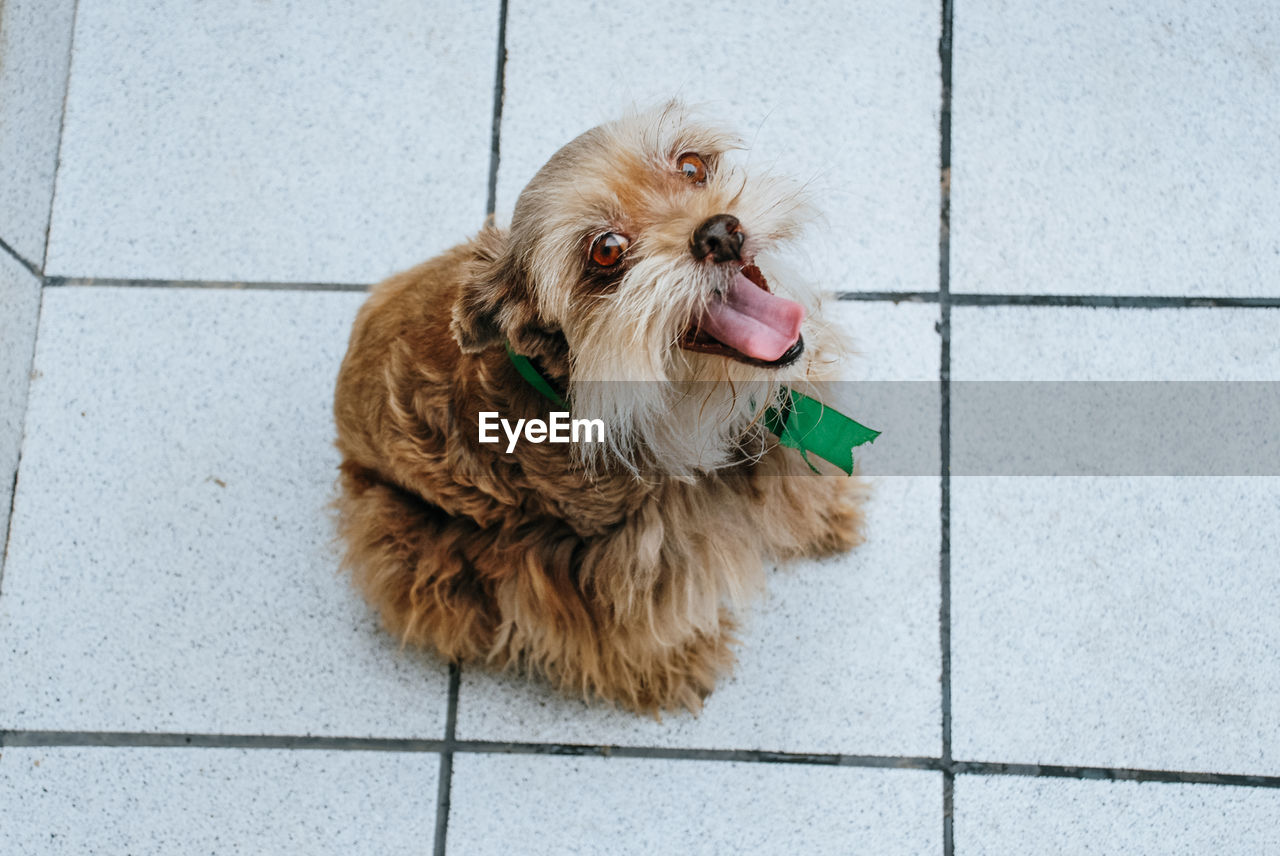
{"points": [[840, 529], [685, 693], [679, 680]]}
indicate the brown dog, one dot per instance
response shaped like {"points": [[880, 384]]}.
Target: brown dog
{"points": [[638, 277]]}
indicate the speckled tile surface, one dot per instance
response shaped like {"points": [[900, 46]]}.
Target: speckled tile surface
{"points": [[1085, 343], [999, 815], [841, 656], [1116, 621], [19, 311], [1116, 149], [172, 579], [272, 141], [176, 800], [862, 136], [35, 45], [171, 565], [643, 806]]}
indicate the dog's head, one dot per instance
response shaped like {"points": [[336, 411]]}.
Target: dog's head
{"points": [[645, 262]]}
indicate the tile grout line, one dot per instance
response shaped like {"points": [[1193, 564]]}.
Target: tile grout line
{"points": [[132, 740], [895, 296], [1105, 301], [228, 285], [18, 257], [444, 795], [1100, 301], [1115, 774], [499, 93], [135, 740], [444, 789], [62, 123], [163, 739], [22, 445], [8, 520], [944, 377]]}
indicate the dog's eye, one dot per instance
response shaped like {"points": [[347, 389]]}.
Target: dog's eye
{"points": [[607, 249], [692, 167]]}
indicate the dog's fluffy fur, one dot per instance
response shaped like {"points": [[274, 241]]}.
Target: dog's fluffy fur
{"points": [[613, 569]]}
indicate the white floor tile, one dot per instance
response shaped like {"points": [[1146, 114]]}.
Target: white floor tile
{"points": [[537, 804], [175, 800], [1102, 148], [1083, 343], [999, 815], [1115, 621], [35, 44], [171, 562], [273, 141]]}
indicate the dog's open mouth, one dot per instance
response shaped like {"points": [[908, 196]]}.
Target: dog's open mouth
{"points": [[749, 324]]}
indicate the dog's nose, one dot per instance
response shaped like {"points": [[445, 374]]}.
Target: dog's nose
{"points": [[719, 237]]}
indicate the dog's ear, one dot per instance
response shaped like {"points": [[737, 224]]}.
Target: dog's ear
{"points": [[492, 280]]}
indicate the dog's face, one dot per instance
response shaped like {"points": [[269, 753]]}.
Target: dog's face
{"points": [[655, 259]]}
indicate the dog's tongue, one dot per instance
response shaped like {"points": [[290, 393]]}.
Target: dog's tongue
{"points": [[752, 321]]}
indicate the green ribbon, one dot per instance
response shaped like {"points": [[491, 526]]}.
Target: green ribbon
{"points": [[798, 421], [804, 423], [530, 373]]}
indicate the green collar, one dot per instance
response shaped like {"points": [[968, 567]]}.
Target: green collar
{"points": [[798, 421], [530, 373]]}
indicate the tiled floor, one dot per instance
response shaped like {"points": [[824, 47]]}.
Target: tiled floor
{"points": [[193, 200]]}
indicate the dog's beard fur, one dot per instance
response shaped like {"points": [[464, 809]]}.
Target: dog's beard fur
{"points": [[667, 411]]}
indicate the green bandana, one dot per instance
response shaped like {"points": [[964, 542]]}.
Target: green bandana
{"points": [[799, 422]]}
